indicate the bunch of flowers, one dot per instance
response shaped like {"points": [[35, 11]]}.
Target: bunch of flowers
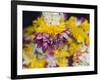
{"points": [[56, 45]]}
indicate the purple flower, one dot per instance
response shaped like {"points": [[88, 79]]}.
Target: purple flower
{"points": [[46, 41]]}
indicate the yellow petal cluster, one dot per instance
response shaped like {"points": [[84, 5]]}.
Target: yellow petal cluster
{"points": [[85, 26], [51, 29], [77, 31], [60, 53], [62, 62], [35, 63], [73, 47]]}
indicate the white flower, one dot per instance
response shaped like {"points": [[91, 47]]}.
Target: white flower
{"points": [[53, 17]]}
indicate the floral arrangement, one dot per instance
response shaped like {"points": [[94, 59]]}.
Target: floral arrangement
{"points": [[59, 43]]}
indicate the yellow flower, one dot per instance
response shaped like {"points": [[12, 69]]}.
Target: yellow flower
{"points": [[62, 24], [61, 53], [85, 26], [64, 53], [51, 29], [87, 40], [78, 34], [80, 38], [71, 23], [40, 21], [62, 62], [76, 31], [35, 63], [56, 53], [69, 40], [28, 52], [73, 48], [29, 30]]}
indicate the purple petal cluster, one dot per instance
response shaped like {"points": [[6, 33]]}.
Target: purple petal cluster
{"points": [[46, 41]]}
